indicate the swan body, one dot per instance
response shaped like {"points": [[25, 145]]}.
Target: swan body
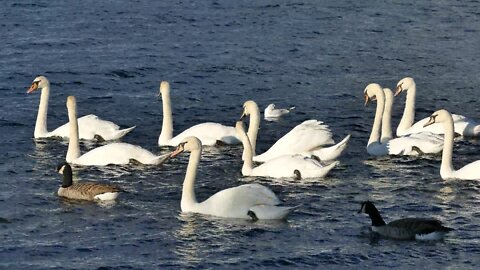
{"points": [[282, 166], [447, 172], [84, 191], [426, 229], [412, 144], [90, 126], [113, 153], [272, 112], [463, 125], [250, 201], [209, 133], [308, 138]]}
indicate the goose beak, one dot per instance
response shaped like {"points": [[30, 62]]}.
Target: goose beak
{"points": [[33, 87], [398, 90]]}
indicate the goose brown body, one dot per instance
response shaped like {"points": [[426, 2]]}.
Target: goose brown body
{"points": [[86, 191]]}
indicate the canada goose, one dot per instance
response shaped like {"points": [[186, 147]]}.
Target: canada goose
{"points": [[84, 191], [406, 228]]}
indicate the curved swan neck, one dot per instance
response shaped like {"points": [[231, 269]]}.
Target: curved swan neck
{"points": [[447, 167], [409, 112], [73, 151], [166, 133], [41, 124], [253, 127], [247, 153], [377, 122], [387, 117], [188, 191]]}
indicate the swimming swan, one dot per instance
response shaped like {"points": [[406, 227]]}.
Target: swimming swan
{"points": [[447, 172], [308, 138], [250, 201], [90, 126], [272, 112], [209, 133], [113, 153], [463, 125]]}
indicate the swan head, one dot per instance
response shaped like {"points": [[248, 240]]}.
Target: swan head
{"points": [[71, 102], [38, 82], [270, 107], [249, 107], [164, 88], [188, 144], [239, 127], [403, 85], [371, 91], [438, 117]]}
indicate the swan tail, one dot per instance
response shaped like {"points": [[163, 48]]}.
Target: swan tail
{"points": [[328, 168], [291, 108], [332, 152], [270, 211], [122, 132]]}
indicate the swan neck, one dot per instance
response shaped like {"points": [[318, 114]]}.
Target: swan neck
{"points": [[387, 119], [166, 133], [377, 122], [247, 154], [447, 166], [253, 127], [188, 192], [41, 124], [408, 116], [73, 151]]}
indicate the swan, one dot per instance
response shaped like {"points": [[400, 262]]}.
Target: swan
{"points": [[463, 125], [90, 126], [271, 112], [209, 133], [113, 153], [426, 229], [413, 144], [250, 201], [308, 138], [281, 166], [84, 191], [447, 172]]}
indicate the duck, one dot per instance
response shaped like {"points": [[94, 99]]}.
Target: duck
{"points": [[210, 134], [413, 144], [296, 166], [91, 127], [424, 229], [464, 126], [470, 171], [272, 112], [87, 191], [311, 137], [112, 153], [248, 201]]}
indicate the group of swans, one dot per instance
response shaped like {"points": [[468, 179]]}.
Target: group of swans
{"points": [[421, 137]]}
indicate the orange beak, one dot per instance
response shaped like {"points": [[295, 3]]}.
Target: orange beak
{"points": [[398, 90], [367, 99], [177, 151], [33, 87]]}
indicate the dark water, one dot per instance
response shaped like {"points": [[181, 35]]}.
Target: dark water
{"points": [[316, 55]]}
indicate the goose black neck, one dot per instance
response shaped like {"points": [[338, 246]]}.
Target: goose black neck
{"points": [[377, 220], [67, 176]]}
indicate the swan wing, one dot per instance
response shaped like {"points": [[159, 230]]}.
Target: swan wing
{"points": [[285, 166], [469, 172], [208, 133], [91, 125], [117, 153], [414, 144], [463, 125]]}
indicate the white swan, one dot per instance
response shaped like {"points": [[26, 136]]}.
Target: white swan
{"points": [[246, 201], [296, 166], [209, 133], [113, 153], [447, 172], [90, 126], [413, 144], [308, 138], [463, 125], [271, 112]]}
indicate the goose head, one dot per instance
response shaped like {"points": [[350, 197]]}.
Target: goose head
{"points": [[367, 207], [38, 82], [438, 117], [189, 144], [371, 91], [403, 85], [249, 107], [164, 88], [66, 170]]}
